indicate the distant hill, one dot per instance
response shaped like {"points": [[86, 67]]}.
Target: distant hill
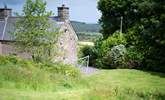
{"points": [[85, 31], [85, 27]]}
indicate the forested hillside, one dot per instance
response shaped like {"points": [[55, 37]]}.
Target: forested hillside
{"points": [[85, 31], [84, 27]]}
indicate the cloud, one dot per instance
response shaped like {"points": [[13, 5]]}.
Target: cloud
{"points": [[12, 2]]}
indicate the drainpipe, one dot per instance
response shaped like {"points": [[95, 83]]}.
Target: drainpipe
{"points": [[4, 27]]}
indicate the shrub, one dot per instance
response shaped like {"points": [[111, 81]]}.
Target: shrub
{"points": [[116, 39], [134, 57], [89, 51], [105, 55], [117, 51], [114, 58], [117, 56]]}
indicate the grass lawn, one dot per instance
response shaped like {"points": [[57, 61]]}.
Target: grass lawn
{"points": [[120, 84]]}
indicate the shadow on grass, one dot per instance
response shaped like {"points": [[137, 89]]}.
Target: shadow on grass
{"points": [[162, 75]]}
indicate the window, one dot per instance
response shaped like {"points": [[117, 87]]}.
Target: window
{"points": [[65, 30], [64, 58]]}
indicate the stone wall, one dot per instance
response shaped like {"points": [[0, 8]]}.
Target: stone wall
{"points": [[67, 46], [7, 49]]}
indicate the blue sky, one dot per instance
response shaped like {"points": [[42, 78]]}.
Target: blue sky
{"points": [[80, 10]]}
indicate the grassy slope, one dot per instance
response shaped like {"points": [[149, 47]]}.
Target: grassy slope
{"points": [[103, 85], [128, 84]]}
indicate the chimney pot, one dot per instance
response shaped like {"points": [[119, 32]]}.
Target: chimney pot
{"points": [[5, 12], [63, 13]]}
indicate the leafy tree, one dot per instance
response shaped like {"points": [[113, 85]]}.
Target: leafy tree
{"points": [[34, 34], [134, 12], [113, 10], [143, 23]]}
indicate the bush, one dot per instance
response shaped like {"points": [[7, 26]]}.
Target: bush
{"points": [[114, 58], [105, 51], [117, 56], [134, 57], [117, 51], [88, 51]]}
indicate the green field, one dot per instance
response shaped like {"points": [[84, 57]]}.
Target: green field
{"points": [[88, 36], [86, 31], [119, 84]]}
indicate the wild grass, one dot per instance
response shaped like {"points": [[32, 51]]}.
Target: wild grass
{"points": [[126, 84], [26, 80], [16, 73]]}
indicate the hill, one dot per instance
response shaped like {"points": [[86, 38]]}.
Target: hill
{"points": [[86, 31], [85, 27]]}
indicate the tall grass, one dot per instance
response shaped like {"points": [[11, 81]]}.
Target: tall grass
{"points": [[22, 79], [16, 73]]}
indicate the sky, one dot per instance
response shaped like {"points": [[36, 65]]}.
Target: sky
{"points": [[80, 10]]}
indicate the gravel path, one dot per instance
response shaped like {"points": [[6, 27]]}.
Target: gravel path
{"points": [[88, 70]]}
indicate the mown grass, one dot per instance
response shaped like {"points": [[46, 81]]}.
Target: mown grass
{"points": [[25, 80]]}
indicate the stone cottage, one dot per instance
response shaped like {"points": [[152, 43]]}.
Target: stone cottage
{"points": [[67, 43]]}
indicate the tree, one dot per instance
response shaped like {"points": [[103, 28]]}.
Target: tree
{"points": [[146, 20], [34, 34]]}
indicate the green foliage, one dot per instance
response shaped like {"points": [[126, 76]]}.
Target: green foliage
{"points": [[116, 39], [114, 58], [102, 54], [17, 73], [60, 68], [143, 24], [104, 46], [117, 56], [133, 57], [88, 36], [116, 51], [88, 51], [34, 34]]}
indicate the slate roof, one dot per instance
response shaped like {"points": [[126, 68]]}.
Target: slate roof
{"points": [[2, 23], [6, 35]]}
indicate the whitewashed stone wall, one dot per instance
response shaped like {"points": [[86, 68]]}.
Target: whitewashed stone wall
{"points": [[67, 46]]}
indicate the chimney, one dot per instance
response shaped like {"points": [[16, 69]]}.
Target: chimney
{"points": [[5, 12], [63, 13]]}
